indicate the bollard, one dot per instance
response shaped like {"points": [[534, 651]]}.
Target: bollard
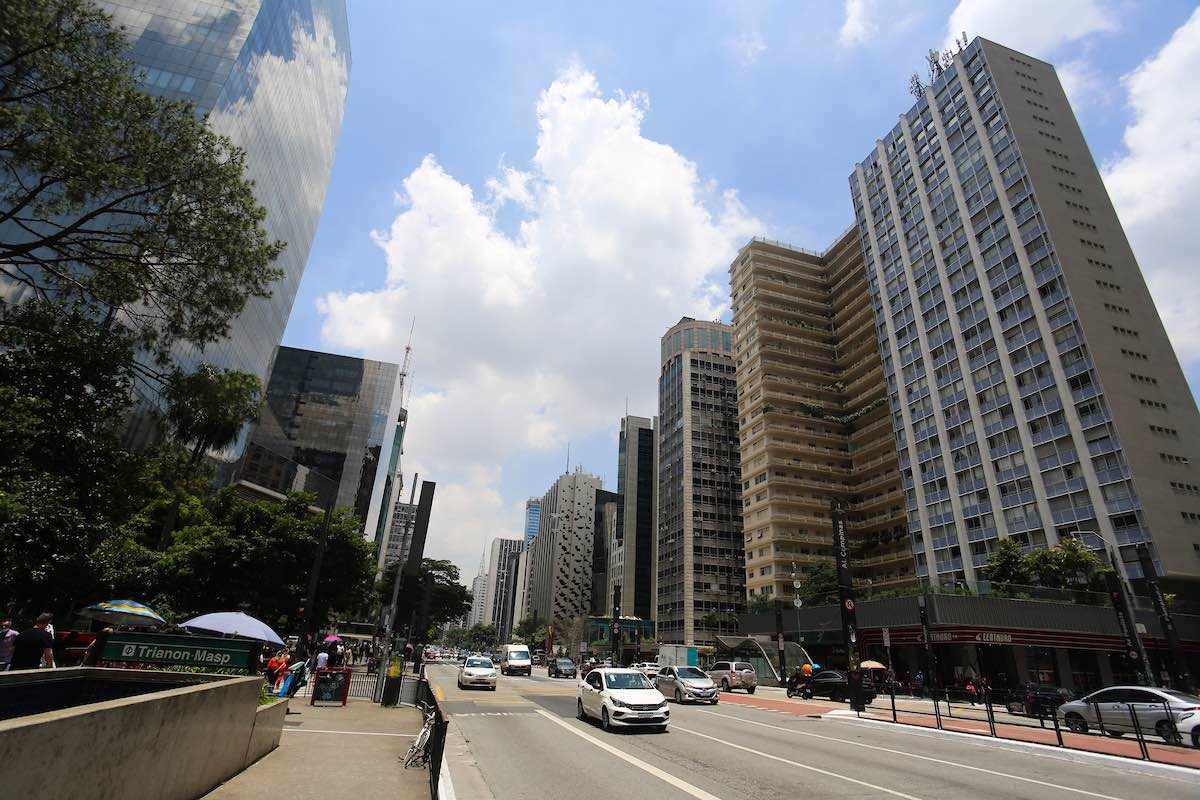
{"points": [[937, 714], [1057, 729], [892, 687], [1137, 731], [991, 717]]}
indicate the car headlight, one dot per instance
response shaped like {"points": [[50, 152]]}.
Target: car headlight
{"points": [[618, 703]]}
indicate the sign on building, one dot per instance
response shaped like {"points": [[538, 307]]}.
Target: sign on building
{"points": [[191, 651]]}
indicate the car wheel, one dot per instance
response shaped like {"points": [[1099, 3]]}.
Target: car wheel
{"points": [[724, 685], [604, 723], [1196, 737], [1167, 732], [661, 729], [679, 697], [492, 687], [1076, 723], [806, 694], [579, 712], [715, 701], [751, 690], [1115, 734]]}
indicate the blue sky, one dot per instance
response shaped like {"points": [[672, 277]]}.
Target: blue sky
{"points": [[548, 186]]}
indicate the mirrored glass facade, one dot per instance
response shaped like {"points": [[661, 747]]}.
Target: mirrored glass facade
{"points": [[329, 414], [272, 75]]}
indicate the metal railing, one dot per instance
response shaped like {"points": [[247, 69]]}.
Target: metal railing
{"points": [[1005, 715], [437, 735]]}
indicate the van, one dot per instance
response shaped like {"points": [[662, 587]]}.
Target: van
{"points": [[515, 660]]}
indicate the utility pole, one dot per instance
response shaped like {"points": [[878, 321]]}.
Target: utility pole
{"points": [[1181, 675], [1135, 650], [616, 625], [314, 578], [779, 639], [845, 581]]}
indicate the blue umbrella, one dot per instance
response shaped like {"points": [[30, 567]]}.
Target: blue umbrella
{"points": [[233, 623]]}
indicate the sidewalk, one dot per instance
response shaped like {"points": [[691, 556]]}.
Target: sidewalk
{"points": [[335, 751]]}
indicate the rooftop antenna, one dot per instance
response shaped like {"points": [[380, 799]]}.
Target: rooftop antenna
{"points": [[568, 458], [405, 368]]}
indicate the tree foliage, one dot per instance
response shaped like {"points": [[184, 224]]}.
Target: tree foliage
{"points": [[114, 200], [448, 598], [1068, 565], [206, 409]]}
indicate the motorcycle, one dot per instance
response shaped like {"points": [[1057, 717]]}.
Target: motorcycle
{"points": [[798, 688]]}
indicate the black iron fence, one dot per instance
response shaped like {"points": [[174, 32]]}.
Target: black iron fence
{"points": [[428, 703], [1153, 729]]}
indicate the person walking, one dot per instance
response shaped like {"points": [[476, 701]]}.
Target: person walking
{"points": [[7, 636], [34, 646]]}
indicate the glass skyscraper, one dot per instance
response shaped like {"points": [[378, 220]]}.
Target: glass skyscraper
{"points": [[272, 75], [324, 413], [1034, 392], [533, 518]]}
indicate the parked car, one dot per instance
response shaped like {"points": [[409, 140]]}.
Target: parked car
{"points": [[730, 675], [1109, 709], [477, 671], [621, 698], [687, 683], [647, 668], [561, 668], [1036, 699]]}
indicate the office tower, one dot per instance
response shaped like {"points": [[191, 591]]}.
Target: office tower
{"points": [[559, 582], [512, 568], [605, 563], [272, 75], [813, 417], [325, 413], [631, 547], [520, 605], [699, 556], [393, 481], [499, 589], [478, 613], [1034, 393], [533, 516], [394, 546]]}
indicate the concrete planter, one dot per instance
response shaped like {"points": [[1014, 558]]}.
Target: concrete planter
{"points": [[268, 725]]}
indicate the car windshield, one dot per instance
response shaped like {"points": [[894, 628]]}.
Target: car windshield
{"points": [[518, 656], [479, 662], [742, 666], [565, 662], [690, 672], [626, 680]]}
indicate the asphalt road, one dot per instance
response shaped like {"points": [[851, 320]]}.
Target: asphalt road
{"points": [[527, 743]]}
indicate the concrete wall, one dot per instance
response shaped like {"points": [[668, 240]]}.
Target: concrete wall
{"points": [[177, 743], [268, 725]]}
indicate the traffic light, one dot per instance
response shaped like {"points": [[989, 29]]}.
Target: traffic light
{"points": [[616, 604]]}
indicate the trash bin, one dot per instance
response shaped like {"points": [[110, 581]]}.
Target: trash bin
{"points": [[392, 681]]}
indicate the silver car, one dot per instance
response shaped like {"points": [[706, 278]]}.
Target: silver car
{"points": [[730, 675], [687, 683], [1115, 707]]}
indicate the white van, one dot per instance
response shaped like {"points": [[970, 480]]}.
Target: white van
{"points": [[515, 660]]}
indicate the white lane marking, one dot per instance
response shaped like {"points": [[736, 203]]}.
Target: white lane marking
{"points": [[678, 783], [349, 733], [919, 757], [725, 743]]}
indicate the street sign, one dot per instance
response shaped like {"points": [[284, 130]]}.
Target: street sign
{"points": [[797, 584], [193, 651], [887, 637]]}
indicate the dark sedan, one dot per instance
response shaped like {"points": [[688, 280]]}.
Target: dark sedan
{"points": [[835, 685], [561, 668]]}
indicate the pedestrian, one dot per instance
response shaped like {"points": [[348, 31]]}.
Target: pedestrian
{"points": [[7, 636], [972, 692], [276, 663], [323, 658], [34, 646]]}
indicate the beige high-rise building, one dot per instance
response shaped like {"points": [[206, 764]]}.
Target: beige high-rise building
{"points": [[813, 417], [1036, 395]]}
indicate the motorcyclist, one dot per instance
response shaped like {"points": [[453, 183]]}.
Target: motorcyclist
{"points": [[799, 678]]}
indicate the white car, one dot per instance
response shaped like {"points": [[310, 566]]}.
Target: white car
{"points": [[477, 671], [621, 698], [649, 669]]}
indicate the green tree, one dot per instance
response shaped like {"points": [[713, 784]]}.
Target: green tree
{"points": [[526, 630], [122, 203], [1007, 566], [819, 584], [1067, 565], [208, 408], [483, 637], [448, 598], [760, 604]]}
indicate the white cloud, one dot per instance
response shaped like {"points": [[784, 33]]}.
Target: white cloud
{"points": [[1081, 81], [860, 26], [1031, 26], [528, 339], [1155, 186], [747, 47]]}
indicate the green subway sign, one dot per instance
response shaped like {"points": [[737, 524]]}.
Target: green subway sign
{"points": [[192, 651]]}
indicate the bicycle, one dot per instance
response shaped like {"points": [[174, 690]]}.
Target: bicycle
{"points": [[418, 751]]}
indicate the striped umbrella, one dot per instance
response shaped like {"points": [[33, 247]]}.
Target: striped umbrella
{"points": [[124, 612]]}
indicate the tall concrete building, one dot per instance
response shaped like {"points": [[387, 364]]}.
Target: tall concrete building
{"points": [[533, 517], [604, 563], [698, 552], [395, 544], [498, 598], [328, 414], [1034, 392], [631, 564], [813, 417], [559, 577], [478, 614], [272, 75]]}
